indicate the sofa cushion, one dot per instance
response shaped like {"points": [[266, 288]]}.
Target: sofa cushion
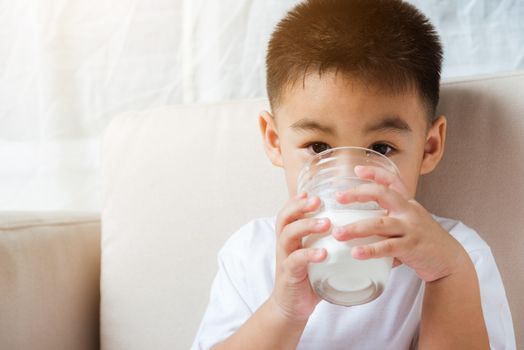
{"points": [[480, 178], [49, 280]]}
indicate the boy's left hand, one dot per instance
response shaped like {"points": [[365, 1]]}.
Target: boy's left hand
{"points": [[413, 237]]}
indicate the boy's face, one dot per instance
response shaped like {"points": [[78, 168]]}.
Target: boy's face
{"points": [[335, 110]]}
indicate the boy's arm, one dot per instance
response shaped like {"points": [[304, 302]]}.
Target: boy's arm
{"points": [[268, 328], [452, 312], [280, 321], [452, 315]]}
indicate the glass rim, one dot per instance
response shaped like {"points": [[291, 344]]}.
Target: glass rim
{"points": [[306, 167]]}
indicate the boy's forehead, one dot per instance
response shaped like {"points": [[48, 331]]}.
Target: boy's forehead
{"points": [[341, 94], [331, 98]]}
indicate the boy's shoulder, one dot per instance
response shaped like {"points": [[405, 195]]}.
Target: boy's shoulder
{"points": [[255, 236], [248, 260]]}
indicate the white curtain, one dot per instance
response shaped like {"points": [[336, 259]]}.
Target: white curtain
{"points": [[68, 66]]}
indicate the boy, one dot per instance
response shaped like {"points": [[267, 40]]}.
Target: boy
{"points": [[356, 73]]}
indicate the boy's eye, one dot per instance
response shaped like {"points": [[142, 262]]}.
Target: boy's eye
{"points": [[317, 147], [382, 148]]}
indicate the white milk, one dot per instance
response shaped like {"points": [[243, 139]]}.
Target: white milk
{"points": [[340, 279]]}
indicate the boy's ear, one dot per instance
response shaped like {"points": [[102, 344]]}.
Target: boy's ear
{"points": [[270, 138], [434, 146]]}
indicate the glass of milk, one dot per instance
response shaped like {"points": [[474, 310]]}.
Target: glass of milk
{"points": [[341, 279]]}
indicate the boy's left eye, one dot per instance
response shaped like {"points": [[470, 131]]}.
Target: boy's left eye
{"points": [[382, 148]]}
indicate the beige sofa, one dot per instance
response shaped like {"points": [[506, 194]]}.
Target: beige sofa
{"points": [[179, 180]]}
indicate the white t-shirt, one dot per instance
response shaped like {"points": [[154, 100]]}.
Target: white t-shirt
{"points": [[245, 280]]}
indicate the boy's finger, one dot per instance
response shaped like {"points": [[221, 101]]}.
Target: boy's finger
{"points": [[295, 209], [396, 262], [386, 198], [295, 266], [290, 238], [387, 247], [383, 226], [383, 177]]}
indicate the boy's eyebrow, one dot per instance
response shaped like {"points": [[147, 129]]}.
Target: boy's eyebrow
{"points": [[389, 122], [311, 125]]}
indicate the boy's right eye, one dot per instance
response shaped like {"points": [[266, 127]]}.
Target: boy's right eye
{"points": [[317, 147]]}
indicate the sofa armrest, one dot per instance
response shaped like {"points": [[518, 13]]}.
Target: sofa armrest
{"points": [[49, 280]]}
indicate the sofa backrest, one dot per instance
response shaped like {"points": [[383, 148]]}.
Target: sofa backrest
{"points": [[179, 180], [480, 180]]}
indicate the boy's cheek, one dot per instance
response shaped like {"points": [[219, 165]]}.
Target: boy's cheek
{"points": [[291, 180], [409, 176]]}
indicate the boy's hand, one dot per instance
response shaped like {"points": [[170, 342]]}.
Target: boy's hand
{"points": [[293, 294], [412, 235]]}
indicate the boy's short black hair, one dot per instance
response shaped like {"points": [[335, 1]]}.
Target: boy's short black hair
{"points": [[387, 43]]}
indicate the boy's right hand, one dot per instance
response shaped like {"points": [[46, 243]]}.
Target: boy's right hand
{"points": [[293, 295]]}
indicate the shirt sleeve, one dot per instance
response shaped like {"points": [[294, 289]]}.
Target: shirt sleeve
{"points": [[227, 309], [495, 308]]}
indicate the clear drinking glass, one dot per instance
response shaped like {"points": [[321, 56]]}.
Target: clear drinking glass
{"points": [[341, 279]]}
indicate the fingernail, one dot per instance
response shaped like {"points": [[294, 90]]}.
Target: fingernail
{"points": [[341, 196], [320, 223], [310, 201], [337, 231], [301, 195], [318, 253], [359, 251]]}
